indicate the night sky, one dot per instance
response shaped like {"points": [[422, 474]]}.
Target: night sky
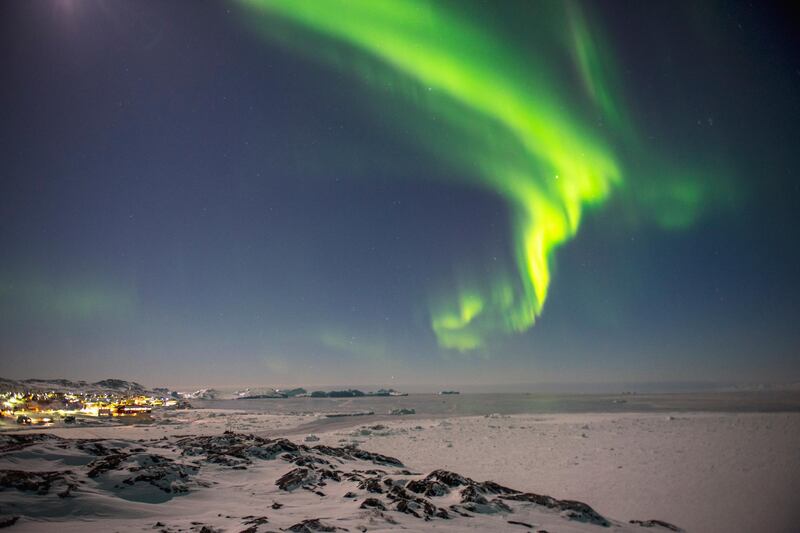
{"points": [[279, 192]]}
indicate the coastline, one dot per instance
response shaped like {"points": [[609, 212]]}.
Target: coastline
{"points": [[703, 471]]}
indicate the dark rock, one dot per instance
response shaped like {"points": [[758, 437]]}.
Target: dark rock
{"points": [[296, 478], [106, 463], [473, 498], [472, 494], [255, 520], [309, 460], [656, 523], [442, 513], [457, 509], [408, 507], [451, 479], [372, 503], [8, 521], [428, 487], [372, 484], [157, 470], [276, 505], [12, 443], [349, 393], [573, 510], [311, 525], [407, 502], [490, 507], [373, 472], [494, 488], [399, 493], [327, 473], [235, 449], [39, 482], [523, 524], [351, 453]]}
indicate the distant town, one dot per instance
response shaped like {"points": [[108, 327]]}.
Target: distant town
{"points": [[60, 401], [43, 402]]}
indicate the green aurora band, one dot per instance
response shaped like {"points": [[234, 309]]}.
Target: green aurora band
{"points": [[26, 295], [509, 125]]}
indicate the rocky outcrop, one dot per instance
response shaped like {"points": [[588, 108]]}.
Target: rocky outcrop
{"points": [[234, 449], [10, 443], [312, 525], [296, 478], [39, 482], [125, 469], [657, 524], [8, 521], [407, 502], [321, 477], [428, 487], [451, 479], [571, 509], [371, 484], [351, 453], [372, 503], [105, 464]]}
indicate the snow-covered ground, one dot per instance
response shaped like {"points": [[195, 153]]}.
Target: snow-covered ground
{"points": [[167, 422], [700, 471], [706, 472]]}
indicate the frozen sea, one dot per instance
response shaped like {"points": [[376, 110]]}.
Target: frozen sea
{"points": [[472, 404]]}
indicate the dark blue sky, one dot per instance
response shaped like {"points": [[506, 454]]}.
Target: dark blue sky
{"points": [[183, 202]]}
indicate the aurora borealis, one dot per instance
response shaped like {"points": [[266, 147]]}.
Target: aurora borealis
{"points": [[518, 137], [525, 191], [548, 172]]}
